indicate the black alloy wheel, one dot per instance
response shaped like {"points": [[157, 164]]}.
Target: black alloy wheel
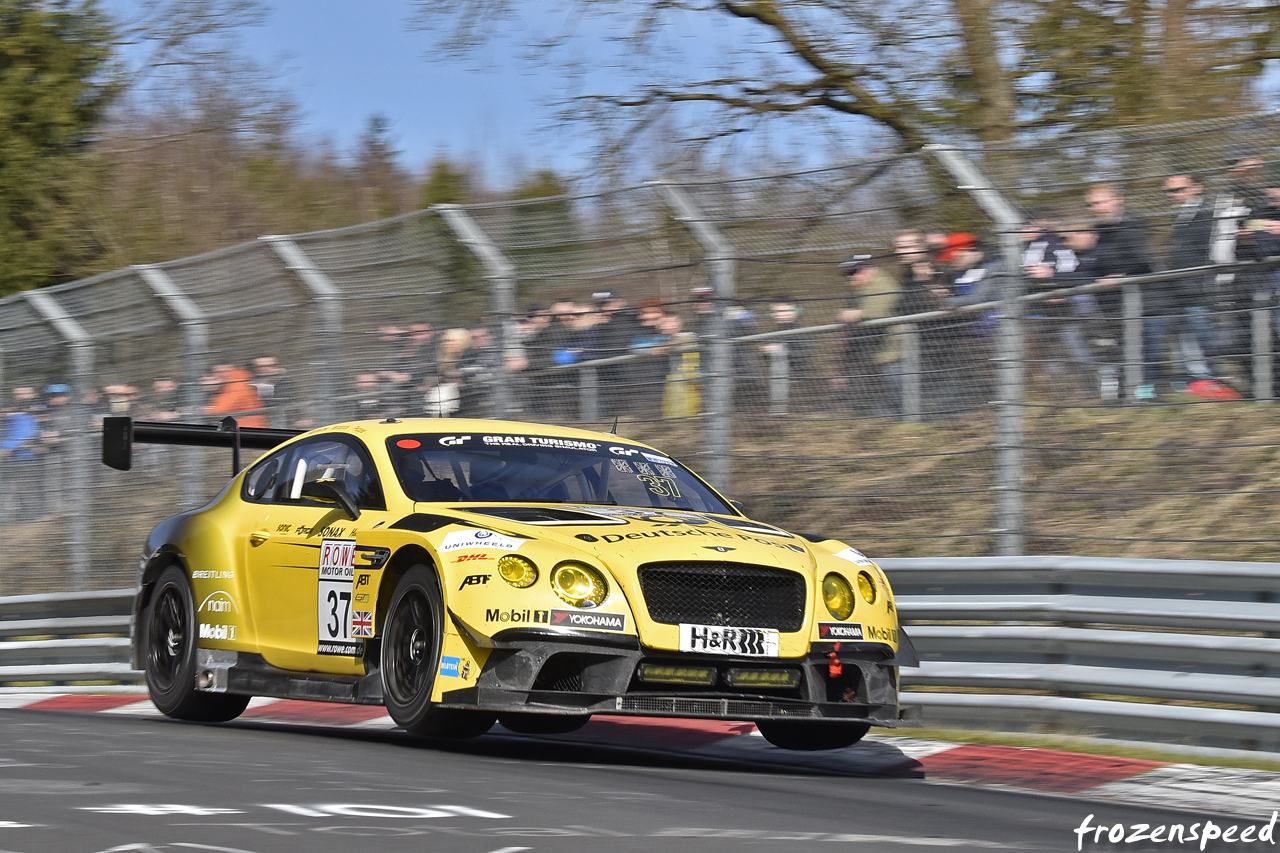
{"points": [[411, 642], [170, 632]]}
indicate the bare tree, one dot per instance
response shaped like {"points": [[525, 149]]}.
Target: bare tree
{"points": [[914, 70]]}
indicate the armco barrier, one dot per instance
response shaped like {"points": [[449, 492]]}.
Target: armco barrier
{"points": [[1174, 651], [1160, 650], [66, 639]]}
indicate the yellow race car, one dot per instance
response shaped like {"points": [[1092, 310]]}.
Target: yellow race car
{"points": [[462, 571]]}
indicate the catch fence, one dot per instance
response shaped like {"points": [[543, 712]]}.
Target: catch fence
{"points": [[972, 405]]}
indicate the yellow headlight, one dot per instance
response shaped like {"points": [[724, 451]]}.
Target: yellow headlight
{"points": [[838, 596], [579, 585], [867, 587], [517, 571]]}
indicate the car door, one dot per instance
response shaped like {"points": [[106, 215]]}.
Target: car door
{"points": [[302, 553]]}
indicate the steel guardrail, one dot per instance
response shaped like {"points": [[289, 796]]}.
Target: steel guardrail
{"points": [[1184, 651], [1157, 650]]}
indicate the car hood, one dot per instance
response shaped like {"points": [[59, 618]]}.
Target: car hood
{"points": [[623, 538]]}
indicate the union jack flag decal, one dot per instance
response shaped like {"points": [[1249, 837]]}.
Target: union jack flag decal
{"points": [[361, 623]]}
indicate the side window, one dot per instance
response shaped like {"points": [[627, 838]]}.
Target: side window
{"points": [[336, 458], [261, 482]]}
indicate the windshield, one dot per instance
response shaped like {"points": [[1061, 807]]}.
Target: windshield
{"points": [[544, 469]]}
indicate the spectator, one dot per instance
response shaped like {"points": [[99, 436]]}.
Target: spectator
{"points": [[649, 371], [234, 395], [680, 397], [619, 327], [870, 360], [1190, 243], [1259, 238], [967, 378], [369, 397], [162, 403], [796, 350], [1081, 330], [553, 393], [1243, 204], [443, 393], [1121, 251], [275, 390], [19, 449]]}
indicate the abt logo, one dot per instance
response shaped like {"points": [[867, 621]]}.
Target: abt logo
{"points": [[474, 580]]}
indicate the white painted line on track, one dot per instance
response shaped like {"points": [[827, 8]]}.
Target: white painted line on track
{"points": [[261, 702], [510, 849]]}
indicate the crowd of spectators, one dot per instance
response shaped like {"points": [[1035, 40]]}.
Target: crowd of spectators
{"points": [[650, 357]]}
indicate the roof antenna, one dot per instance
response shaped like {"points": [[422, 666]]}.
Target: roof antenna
{"points": [[614, 431]]}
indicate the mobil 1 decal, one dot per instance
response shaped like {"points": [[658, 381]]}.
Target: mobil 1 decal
{"points": [[333, 599]]}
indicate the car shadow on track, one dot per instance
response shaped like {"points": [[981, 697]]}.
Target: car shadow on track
{"points": [[648, 744]]}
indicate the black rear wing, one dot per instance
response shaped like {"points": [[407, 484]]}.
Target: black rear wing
{"points": [[120, 434]]}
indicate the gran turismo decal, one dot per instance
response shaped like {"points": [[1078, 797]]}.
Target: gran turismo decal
{"points": [[589, 620], [540, 442]]}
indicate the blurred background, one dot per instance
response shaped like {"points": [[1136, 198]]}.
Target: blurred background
{"points": [[942, 279]]}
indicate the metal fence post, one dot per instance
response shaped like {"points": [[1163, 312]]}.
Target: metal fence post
{"points": [[779, 379], [1010, 505], [328, 299], [588, 395], [1132, 339], [501, 274], [719, 406], [194, 324], [80, 448], [911, 367], [1263, 379]]}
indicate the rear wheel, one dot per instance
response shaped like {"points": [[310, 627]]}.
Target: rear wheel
{"points": [[809, 736], [543, 724], [411, 640], [170, 626]]}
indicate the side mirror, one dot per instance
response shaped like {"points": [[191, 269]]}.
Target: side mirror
{"points": [[331, 492], [739, 506]]}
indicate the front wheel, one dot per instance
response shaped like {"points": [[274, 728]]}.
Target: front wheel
{"points": [[169, 622], [411, 641], [810, 736]]}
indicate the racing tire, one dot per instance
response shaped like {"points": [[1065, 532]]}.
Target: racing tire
{"points": [[811, 736], [543, 724], [412, 637], [169, 655]]}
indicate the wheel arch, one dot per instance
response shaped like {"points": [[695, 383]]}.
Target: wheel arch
{"points": [[161, 559], [404, 559]]}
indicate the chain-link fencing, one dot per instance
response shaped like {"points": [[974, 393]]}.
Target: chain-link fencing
{"points": [[945, 353]]}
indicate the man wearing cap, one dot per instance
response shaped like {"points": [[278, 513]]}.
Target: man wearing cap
{"points": [[870, 360]]}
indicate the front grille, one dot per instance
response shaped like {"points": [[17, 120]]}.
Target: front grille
{"points": [[727, 594]]}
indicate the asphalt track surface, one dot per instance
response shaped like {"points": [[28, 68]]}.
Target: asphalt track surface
{"points": [[86, 783]]}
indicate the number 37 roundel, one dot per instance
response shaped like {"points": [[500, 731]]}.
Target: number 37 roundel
{"points": [[333, 598]]}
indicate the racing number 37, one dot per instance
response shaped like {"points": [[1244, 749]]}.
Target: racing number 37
{"points": [[337, 574]]}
